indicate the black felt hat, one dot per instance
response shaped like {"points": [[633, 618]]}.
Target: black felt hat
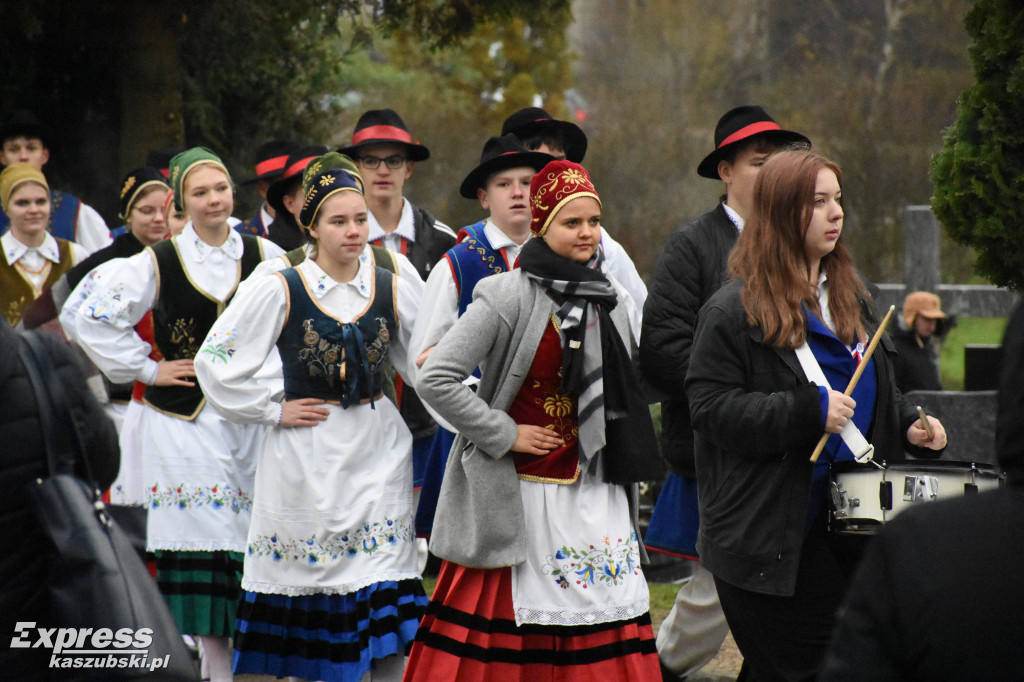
{"points": [[531, 121], [292, 173], [500, 153], [271, 158], [736, 127], [384, 126], [22, 122]]}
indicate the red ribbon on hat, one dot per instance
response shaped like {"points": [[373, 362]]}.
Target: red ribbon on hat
{"points": [[270, 165], [382, 132], [747, 131], [297, 167]]}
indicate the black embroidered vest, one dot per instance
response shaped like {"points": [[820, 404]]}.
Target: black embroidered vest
{"points": [[182, 317], [340, 362]]}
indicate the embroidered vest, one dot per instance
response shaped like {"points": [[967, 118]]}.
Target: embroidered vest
{"points": [[472, 259], [253, 226], [340, 362], [541, 402], [17, 293], [182, 317]]}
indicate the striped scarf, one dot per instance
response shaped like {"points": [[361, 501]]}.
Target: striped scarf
{"points": [[596, 367]]}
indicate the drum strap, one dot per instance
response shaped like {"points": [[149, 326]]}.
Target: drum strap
{"points": [[862, 450]]}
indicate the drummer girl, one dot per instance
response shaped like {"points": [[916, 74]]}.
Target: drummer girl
{"points": [[757, 415]]}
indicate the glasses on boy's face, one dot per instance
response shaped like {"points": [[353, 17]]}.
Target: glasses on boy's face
{"points": [[373, 162]]}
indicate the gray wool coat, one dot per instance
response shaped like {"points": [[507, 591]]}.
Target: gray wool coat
{"points": [[479, 521]]}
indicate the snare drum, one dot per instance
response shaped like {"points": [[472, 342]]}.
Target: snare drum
{"points": [[866, 496]]}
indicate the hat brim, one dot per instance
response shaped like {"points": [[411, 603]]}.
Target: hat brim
{"points": [[276, 191], [932, 315], [575, 138], [708, 168], [269, 176], [477, 177], [414, 152]]}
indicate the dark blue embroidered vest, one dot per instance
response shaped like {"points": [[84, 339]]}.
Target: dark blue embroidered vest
{"points": [[340, 362], [472, 259], [63, 215], [182, 317], [253, 226]]}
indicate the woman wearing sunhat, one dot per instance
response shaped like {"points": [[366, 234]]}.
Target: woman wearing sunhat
{"points": [[536, 521], [331, 585], [198, 467], [33, 259]]}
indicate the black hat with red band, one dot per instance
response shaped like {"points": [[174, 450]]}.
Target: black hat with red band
{"points": [[737, 127], [384, 126]]}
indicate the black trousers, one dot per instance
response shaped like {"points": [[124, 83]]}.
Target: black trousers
{"points": [[785, 638]]}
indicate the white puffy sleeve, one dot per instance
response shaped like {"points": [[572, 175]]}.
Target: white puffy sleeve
{"points": [[105, 321], [235, 350]]}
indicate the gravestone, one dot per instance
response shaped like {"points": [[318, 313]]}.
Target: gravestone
{"points": [[969, 418]]}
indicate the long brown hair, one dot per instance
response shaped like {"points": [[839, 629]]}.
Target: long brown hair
{"points": [[770, 259]]}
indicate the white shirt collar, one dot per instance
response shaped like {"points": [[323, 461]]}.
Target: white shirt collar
{"points": [[198, 250], [406, 225], [14, 250], [826, 314], [735, 217], [265, 217], [497, 238], [320, 283]]}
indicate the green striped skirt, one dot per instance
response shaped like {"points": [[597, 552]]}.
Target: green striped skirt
{"points": [[202, 589]]}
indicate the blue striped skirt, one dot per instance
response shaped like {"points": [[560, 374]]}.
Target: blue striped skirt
{"points": [[328, 637]]}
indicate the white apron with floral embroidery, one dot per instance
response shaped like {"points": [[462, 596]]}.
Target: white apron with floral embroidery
{"points": [[583, 558], [333, 511], [199, 480]]}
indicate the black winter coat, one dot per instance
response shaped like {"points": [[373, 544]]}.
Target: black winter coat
{"points": [[692, 266], [24, 550], [757, 419]]}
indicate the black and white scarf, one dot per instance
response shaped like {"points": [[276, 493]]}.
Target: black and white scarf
{"points": [[596, 367]]}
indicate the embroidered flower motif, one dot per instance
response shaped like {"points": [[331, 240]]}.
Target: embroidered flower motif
{"points": [[183, 497], [183, 337], [558, 405], [321, 356], [378, 349], [366, 540], [220, 346], [326, 180], [607, 564]]}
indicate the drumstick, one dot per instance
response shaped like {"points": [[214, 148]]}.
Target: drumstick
{"points": [[856, 375], [924, 422]]}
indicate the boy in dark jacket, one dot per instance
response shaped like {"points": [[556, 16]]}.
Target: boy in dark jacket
{"points": [[692, 267]]}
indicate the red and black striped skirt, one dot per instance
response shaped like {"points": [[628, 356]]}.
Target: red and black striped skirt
{"points": [[469, 633]]}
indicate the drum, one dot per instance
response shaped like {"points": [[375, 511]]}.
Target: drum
{"points": [[864, 497]]}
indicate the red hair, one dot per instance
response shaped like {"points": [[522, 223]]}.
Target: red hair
{"points": [[770, 259]]}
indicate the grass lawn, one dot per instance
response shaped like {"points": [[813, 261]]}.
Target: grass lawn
{"points": [[968, 330]]}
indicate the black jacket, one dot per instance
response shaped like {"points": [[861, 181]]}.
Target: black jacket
{"points": [[915, 366], [433, 239], [24, 550], [757, 419], [691, 267]]}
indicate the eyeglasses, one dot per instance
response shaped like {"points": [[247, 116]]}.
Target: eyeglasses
{"points": [[373, 162]]}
